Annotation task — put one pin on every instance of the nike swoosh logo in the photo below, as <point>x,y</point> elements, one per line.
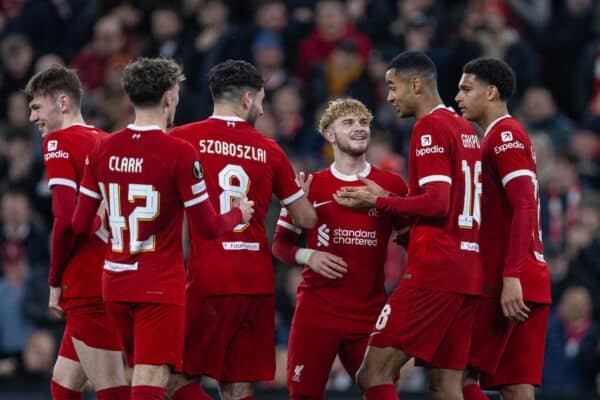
<point>315,204</point>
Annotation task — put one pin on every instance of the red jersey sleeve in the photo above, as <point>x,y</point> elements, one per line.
<point>285,239</point>
<point>59,163</point>
<point>192,190</point>
<point>89,198</point>
<point>432,153</point>
<point>513,159</point>
<point>285,186</point>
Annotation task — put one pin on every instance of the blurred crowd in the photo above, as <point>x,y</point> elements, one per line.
<point>311,51</point>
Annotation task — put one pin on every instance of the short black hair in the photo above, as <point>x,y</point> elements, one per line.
<point>494,72</point>
<point>414,62</point>
<point>146,80</point>
<point>227,80</point>
<point>53,80</point>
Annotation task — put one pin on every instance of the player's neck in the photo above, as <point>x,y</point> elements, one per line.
<point>429,102</point>
<point>72,119</point>
<point>350,165</point>
<point>150,116</point>
<point>493,112</point>
<point>226,110</point>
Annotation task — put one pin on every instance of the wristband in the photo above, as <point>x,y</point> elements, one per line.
<point>302,256</point>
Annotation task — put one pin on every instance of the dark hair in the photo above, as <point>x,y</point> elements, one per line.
<point>227,80</point>
<point>495,72</point>
<point>53,80</point>
<point>146,80</point>
<point>414,62</point>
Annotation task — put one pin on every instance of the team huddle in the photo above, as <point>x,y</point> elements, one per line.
<point>472,306</point>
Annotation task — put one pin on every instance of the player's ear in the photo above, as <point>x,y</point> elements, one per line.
<point>329,136</point>
<point>416,84</point>
<point>492,93</point>
<point>64,102</point>
<point>247,100</point>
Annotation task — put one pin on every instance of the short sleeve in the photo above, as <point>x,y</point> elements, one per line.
<point>59,162</point>
<point>89,183</point>
<point>189,176</point>
<point>285,186</point>
<point>512,154</point>
<point>432,152</point>
<point>285,222</point>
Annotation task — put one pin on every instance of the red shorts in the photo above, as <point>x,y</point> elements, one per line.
<point>432,326</point>
<point>151,333</point>
<point>88,322</point>
<point>312,350</point>
<point>231,338</point>
<point>508,352</point>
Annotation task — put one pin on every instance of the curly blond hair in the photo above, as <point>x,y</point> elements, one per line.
<point>341,107</point>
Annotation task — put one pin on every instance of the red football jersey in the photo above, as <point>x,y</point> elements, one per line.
<point>443,253</point>
<point>145,177</point>
<point>238,161</point>
<point>64,153</point>
<point>508,154</point>
<point>359,236</point>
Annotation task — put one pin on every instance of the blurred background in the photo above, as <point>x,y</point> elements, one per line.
<point>311,51</point>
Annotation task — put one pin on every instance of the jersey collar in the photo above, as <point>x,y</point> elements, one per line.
<point>441,107</point>
<point>350,178</point>
<point>230,118</point>
<point>494,122</point>
<point>144,128</point>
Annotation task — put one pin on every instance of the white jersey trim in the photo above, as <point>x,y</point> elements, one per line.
<point>350,178</point>
<point>435,178</point>
<point>251,246</point>
<point>494,122</point>
<point>90,193</point>
<point>62,182</point>
<point>515,174</point>
<point>143,128</point>
<point>292,198</point>
<point>196,200</point>
<point>229,118</point>
<point>539,256</point>
<point>289,226</point>
<point>120,267</point>
<point>441,106</point>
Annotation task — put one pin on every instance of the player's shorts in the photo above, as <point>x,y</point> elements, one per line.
<point>231,338</point>
<point>88,322</point>
<point>151,333</point>
<point>432,326</point>
<point>312,349</point>
<point>508,352</point>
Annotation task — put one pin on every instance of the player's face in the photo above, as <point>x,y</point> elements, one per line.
<point>172,105</point>
<point>471,97</point>
<point>45,112</point>
<point>399,94</point>
<point>351,134</point>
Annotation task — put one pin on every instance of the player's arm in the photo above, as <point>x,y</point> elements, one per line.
<point>286,249</point>
<point>64,199</point>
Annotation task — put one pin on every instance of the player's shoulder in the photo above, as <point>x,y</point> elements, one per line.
<point>390,180</point>
<point>508,130</point>
<point>190,129</point>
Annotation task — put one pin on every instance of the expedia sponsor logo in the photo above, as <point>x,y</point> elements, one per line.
<point>56,154</point>
<point>430,150</point>
<point>506,136</point>
<point>508,146</point>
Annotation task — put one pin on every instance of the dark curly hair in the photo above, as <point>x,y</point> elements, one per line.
<point>146,80</point>
<point>53,80</point>
<point>228,80</point>
<point>494,72</point>
<point>414,63</point>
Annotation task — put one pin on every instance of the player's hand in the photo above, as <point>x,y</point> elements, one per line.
<point>328,265</point>
<point>54,299</point>
<point>373,187</point>
<point>304,181</point>
<point>355,197</point>
<point>511,300</point>
<point>247,208</point>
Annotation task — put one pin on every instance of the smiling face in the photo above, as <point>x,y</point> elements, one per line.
<point>400,95</point>
<point>45,112</point>
<point>472,97</point>
<point>351,133</point>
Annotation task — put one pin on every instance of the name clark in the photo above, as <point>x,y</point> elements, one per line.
<point>130,165</point>
<point>246,152</point>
